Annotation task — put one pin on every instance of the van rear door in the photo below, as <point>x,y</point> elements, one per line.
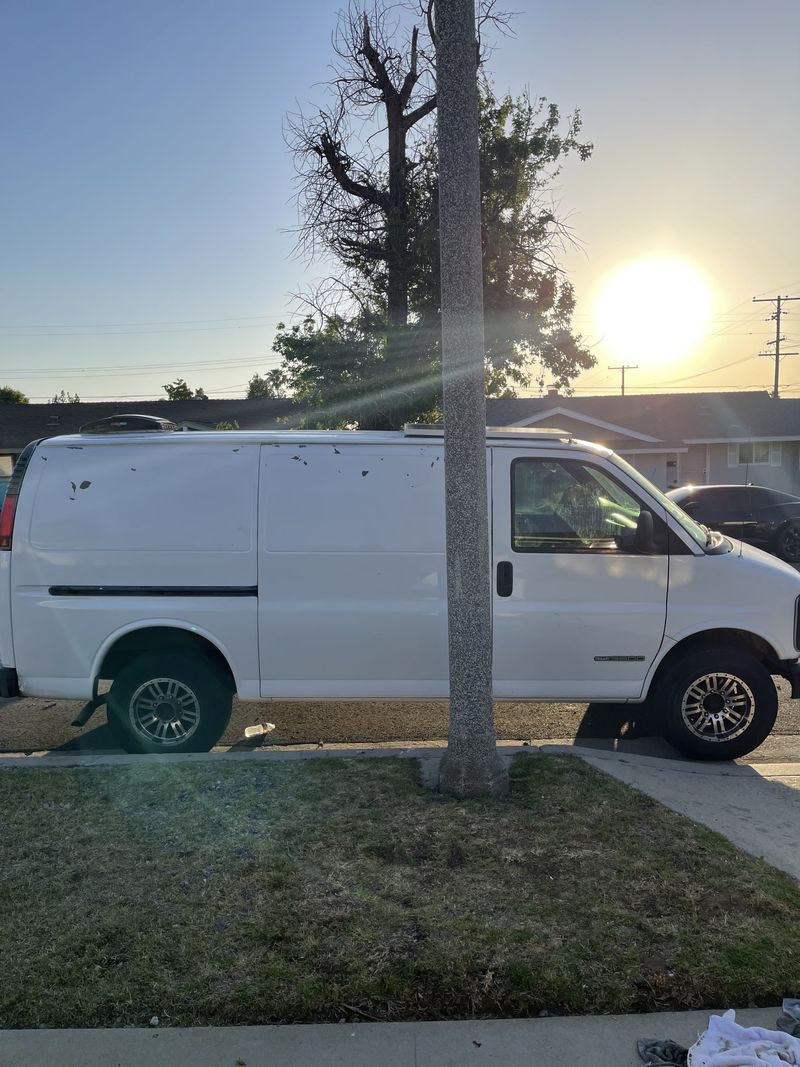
<point>7,522</point>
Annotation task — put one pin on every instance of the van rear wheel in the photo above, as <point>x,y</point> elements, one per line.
<point>169,702</point>
<point>718,704</point>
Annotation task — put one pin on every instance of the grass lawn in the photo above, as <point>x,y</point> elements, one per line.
<point>326,890</point>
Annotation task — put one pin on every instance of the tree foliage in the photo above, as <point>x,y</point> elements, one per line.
<point>368,200</point>
<point>181,390</point>
<point>270,386</point>
<point>9,395</point>
<point>345,374</point>
<point>65,397</point>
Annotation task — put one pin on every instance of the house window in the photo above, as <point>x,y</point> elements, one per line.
<point>755,453</point>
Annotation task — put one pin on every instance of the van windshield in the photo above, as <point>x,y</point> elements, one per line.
<point>694,529</point>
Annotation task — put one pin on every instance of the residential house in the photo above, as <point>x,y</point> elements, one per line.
<point>677,439</point>
<point>673,439</point>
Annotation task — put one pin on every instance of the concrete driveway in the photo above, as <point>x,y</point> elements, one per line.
<point>43,725</point>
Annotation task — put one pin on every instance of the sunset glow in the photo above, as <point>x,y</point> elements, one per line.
<point>653,312</point>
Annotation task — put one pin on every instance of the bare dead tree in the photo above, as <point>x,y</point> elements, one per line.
<point>354,157</point>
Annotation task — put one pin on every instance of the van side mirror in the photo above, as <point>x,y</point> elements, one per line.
<point>644,540</point>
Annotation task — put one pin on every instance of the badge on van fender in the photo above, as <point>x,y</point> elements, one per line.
<point>618,659</point>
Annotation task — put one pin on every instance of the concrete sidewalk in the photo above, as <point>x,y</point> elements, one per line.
<point>756,806</point>
<point>599,1041</point>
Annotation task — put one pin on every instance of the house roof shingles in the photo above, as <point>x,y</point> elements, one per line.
<point>21,423</point>
<point>671,418</point>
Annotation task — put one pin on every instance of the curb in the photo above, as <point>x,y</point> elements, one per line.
<point>604,1041</point>
<point>425,753</point>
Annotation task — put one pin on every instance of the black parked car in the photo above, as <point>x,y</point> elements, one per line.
<point>762,517</point>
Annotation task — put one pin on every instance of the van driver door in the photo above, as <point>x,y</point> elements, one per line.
<point>579,598</point>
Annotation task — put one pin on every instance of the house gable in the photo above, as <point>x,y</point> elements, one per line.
<point>565,418</point>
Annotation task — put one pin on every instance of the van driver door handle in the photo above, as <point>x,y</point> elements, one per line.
<point>505,578</point>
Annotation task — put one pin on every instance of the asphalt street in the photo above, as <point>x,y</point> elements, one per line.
<point>36,725</point>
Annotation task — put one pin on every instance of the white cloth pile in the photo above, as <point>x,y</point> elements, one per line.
<point>726,1044</point>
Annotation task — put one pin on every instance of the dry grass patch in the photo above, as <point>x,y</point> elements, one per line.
<point>322,890</point>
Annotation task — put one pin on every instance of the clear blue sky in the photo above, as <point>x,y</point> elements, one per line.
<point>146,185</point>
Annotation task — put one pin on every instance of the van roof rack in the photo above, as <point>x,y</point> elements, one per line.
<point>527,433</point>
<point>129,424</point>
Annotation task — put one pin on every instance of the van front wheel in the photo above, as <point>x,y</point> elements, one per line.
<point>169,703</point>
<point>718,704</point>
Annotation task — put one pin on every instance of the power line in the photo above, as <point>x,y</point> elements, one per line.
<point>139,333</point>
<point>114,325</point>
<point>126,369</point>
<point>702,373</point>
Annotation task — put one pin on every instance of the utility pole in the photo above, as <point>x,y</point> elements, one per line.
<point>776,355</point>
<point>471,766</point>
<point>623,368</point>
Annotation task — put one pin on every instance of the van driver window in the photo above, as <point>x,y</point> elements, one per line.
<point>569,506</point>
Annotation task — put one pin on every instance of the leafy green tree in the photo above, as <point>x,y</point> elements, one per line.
<point>9,395</point>
<point>346,374</point>
<point>65,397</point>
<point>227,424</point>
<point>528,303</point>
<point>181,390</point>
<point>270,386</point>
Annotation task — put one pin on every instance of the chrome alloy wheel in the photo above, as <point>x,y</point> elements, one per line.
<point>164,711</point>
<point>718,707</point>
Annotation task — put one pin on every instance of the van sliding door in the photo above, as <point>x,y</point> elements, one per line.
<point>352,577</point>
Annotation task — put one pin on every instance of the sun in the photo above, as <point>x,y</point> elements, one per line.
<point>653,312</point>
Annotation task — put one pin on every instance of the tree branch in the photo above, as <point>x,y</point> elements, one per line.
<point>338,165</point>
<point>420,112</point>
<point>410,79</point>
<point>370,53</point>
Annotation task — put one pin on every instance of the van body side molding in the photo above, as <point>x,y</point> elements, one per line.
<point>153,590</point>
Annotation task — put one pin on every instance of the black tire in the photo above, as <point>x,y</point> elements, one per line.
<point>193,712</point>
<point>726,684</point>
<point>787,543</point>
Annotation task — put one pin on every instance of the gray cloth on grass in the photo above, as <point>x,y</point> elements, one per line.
<point>789,1018</point>
<point>654,1053</point>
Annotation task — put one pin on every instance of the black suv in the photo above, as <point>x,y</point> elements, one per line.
<point>762,517</point>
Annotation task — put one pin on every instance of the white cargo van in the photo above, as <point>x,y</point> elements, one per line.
<point>186,567</point>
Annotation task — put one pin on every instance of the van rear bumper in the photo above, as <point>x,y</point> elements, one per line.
<point>9,685</point>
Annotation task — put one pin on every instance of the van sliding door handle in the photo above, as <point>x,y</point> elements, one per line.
<point>505,578</point>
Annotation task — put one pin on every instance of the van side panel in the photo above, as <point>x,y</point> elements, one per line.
<point>131,532</point>
<point>352,572</point>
